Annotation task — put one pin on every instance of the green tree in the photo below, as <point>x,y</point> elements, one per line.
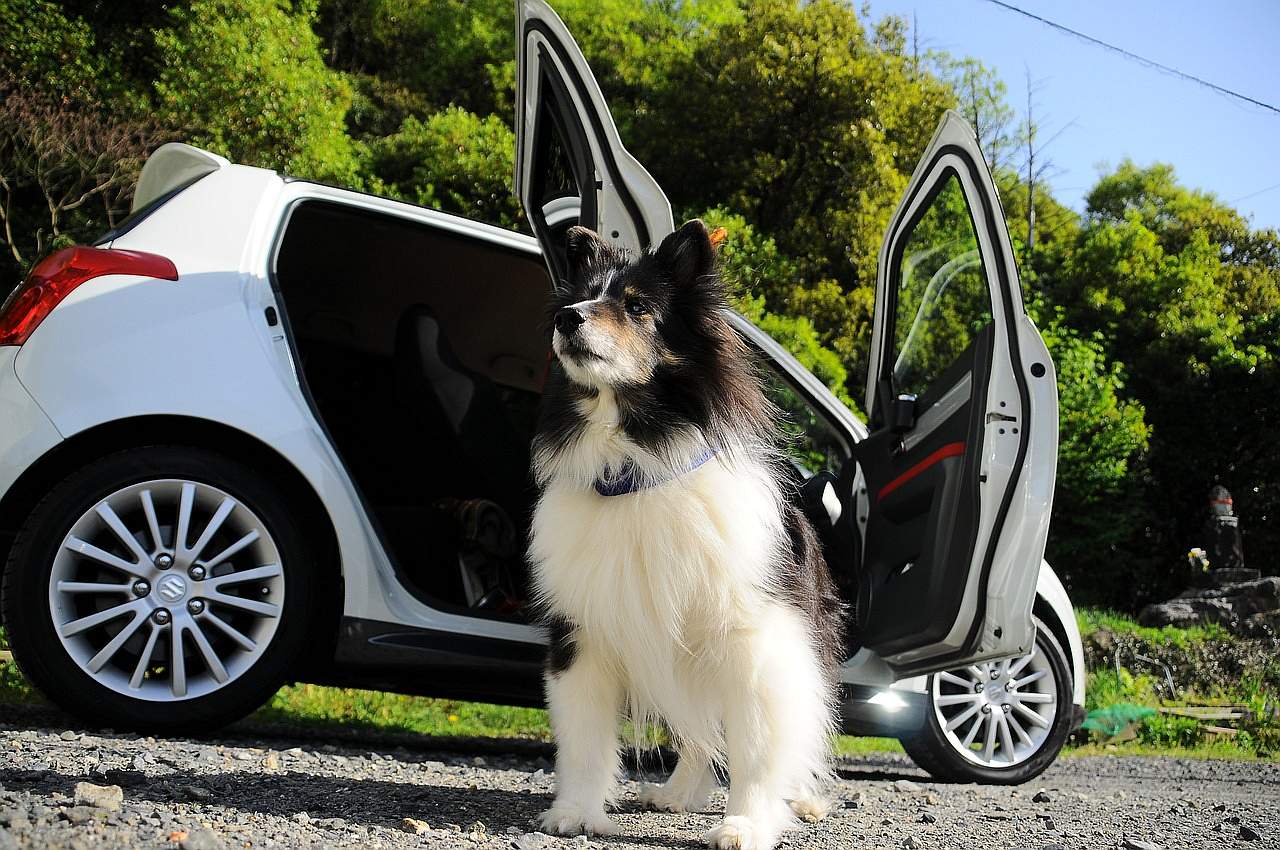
<point>1100,516</point>
<point>1185,294</point>
<point>454,160</point>
<point>248,78</point>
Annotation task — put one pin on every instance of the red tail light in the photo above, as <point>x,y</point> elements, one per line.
<point>58,274</point>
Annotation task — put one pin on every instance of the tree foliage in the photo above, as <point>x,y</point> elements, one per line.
<point>795,125</point>
<point>247,77</point>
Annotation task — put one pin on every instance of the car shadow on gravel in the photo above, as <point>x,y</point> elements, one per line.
<point>363,801</point>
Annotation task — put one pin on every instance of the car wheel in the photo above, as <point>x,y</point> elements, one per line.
<point>998,722</point>
<point>161,588</point>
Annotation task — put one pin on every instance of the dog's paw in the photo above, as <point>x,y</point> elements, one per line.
<point>568,819</point>
<point>737,833</point>
<point>664,799</point>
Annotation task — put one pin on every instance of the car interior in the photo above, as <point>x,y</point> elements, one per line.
<point>423,354</point>
<point>422,362</point>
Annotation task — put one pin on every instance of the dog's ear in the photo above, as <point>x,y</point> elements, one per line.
<point>688,253</point>
<point>582,246</point>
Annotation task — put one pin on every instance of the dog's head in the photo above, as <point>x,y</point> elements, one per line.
<point>619,321</point>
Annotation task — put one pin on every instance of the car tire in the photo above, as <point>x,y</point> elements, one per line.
<point>942,752</point>
<point>240,597</point>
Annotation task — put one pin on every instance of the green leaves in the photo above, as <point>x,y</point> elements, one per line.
<point>455,161</point>
<point>246,77</point>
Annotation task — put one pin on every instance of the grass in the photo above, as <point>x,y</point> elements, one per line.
<point>347,708</point>
<point>1108,686</point>
<point>1094,619</point>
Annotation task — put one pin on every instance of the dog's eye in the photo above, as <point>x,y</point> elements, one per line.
<point>636,308</point>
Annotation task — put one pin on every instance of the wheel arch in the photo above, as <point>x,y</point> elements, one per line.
<point>137,432</point>
<point>1053,608</point>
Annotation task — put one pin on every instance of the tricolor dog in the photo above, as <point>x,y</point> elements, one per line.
<point>679,583</point>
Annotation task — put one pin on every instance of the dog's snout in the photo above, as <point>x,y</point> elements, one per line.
<point>568,320</point>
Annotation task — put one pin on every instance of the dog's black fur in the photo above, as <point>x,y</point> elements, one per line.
<point>708,380</point>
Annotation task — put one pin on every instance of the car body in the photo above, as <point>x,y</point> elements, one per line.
<point>297,338</point>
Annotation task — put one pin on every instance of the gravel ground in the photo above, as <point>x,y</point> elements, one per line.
<point>257,786</point>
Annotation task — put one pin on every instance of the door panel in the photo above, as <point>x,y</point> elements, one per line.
<point>568,149</point>
<point>960,392</point>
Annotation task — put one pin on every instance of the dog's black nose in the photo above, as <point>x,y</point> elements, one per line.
<point>568,320</point>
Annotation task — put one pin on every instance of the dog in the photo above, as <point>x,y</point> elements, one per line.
<point>678,583</point>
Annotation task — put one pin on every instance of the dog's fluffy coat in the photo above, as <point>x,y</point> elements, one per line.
<point>701,599</point>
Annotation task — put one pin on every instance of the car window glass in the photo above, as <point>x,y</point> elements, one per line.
<point>942,298</point>
<point>809,440</point>
<point>554,170</point>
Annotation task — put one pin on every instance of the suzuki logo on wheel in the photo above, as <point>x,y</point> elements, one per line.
<point>172,588</point>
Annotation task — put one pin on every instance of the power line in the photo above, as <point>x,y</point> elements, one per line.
<point>1135,57</point>
<point>1256,194</point>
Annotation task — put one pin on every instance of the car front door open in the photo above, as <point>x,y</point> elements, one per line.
<point>959,466</point>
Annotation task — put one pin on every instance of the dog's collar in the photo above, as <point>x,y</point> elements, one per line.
<point>629,481</point>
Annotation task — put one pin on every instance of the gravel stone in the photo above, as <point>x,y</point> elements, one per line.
<point>202,839</point>
<point>1042,796</point>
<point>109,797</point>
<point>415,826</point>
<point>353,789</point>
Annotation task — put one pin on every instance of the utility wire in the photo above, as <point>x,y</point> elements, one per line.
<point>1256,194</point>
<point>1135,57</point>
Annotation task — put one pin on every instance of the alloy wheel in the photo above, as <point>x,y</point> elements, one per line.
<point>997,714</point>
<point>151,613</point>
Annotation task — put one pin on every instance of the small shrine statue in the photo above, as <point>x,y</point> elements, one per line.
<point>1222,532</point>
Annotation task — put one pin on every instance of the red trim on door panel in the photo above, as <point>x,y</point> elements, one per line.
<point>949,450</point>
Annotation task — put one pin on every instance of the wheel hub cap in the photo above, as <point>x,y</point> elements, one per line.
<point>171,589</point>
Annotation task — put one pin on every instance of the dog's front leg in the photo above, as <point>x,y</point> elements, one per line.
<point>585,701</point>
<point>755,814</point>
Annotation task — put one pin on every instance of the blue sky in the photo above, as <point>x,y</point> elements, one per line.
<point>1117,108</point>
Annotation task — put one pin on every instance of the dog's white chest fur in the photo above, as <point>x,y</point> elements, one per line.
<point>669,586</point>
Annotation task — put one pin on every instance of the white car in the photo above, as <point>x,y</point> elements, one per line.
<point>272,430</point>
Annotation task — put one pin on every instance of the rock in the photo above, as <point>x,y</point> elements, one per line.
<point>910,843</point>
<point>198,793</point>
<point>68,736</point>
<point>1230,605</point>
<point>1042,796</point>
<point>1227,575</point>
<point>202,839</point>
<point>532,841</point>
<point>478,761</point>
<point>906,786</point>
<point>7,841</point>
<point>79,814</point>
<point>271,762</point>
<point>928,817</point>
<point>1139,844</point>
<point>580,841</point>
<point>109,797</point>
<point>1049,824</point>
<point>1247,834</point>
<point>415,826</point>
<point>1262,625</point>
<point>997,815</point>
